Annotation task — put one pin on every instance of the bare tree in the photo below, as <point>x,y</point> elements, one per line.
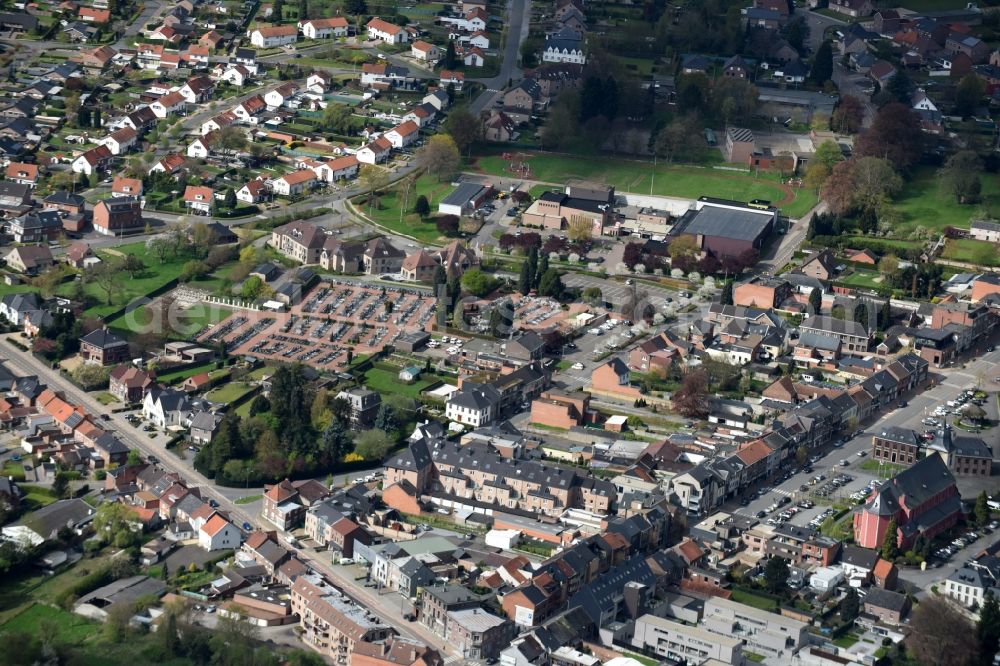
<point>941,635</point>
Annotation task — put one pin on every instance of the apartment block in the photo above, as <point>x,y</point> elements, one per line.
<point>684,643</point>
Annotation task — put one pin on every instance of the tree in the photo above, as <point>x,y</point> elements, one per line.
<point>888,264</point>
<point>861,313</point>
<point>373,179</point>
<point>776,574</point>
<point>895,136</point>
<point>941,635</point>
<point>815,301</point>
<point>683,248</point>
<point>726,297</point>
<point>356,7</point>
<point>863,184</point>
<point>252,288</point>
<point>848,116</point>
<point>160,246</point>
<point>372,444</point>
<point>524,279</point>
<point>801,454</point>
<point>60,485</point>
<point>440,156</point>
<point>885,315</point>
<point>193,270</point>
<point>422,207</point>
<point>982,511</point>
<point>231,139</point>
<point>385,419</point>
<point>890,547</point>
<point>464,127</point>
<point>551,284</point>
<point>336,443</point>
<point>822,65</point>
<point>691,399</point>
<point>276,10</point>
<point>478,283</point>
<point>303,12</point>
<point>107,277</point>
<point>960,176</point>
<point>450,59</point>
<point>230,199</point>
<point>850,606</point>
<point>447,224</point>
<point>681,139</point>
<point>115,523</point>
<point>828,155</point>
<point>989,625</point>
<point>580,228</point>
<point>132,265</point>
<point>969,94</point>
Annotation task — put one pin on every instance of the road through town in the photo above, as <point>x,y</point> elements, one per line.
<point>25,364</point>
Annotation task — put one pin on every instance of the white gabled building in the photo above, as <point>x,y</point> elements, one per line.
<point>248,110</point>
<point>403,135</point>
<point>274,35</point>
<point>236,75</point>
<point>169,104</point>
<point>375,151</point>
<point>324,28</point>
<point>297,182</point>
<point>281,95</point>
<point>219,534</point>
<point>386,32</point>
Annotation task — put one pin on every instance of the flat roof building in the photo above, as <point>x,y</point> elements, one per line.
<point>683,643</point>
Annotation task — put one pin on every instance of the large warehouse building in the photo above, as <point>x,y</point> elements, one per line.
<point>727,228</point>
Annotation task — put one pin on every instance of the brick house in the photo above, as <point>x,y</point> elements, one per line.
<point>103,347</point>
<point>128,383</point>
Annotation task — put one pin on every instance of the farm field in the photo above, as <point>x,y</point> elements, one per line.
<point>922,203</point>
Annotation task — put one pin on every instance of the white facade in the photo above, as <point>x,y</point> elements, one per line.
<point>321,29</point>
<point>680,642</point>
<point>198,148</point>
<point>266,40</point>
<point>227,537</point>
<point>575,55</point>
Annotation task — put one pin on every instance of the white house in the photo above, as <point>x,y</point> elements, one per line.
<point>92,160</point>
<point>280,95</point>
<point>294,183</point>
<point>120,141</point>
<point>438,99</point>
<point>474,405</point>
<point>473,57</point>
<point>564,50</point>
<point>374,151</point>
<point>197,89</point>
<point>165,407</point>
<point>425,51</point>
<point>324,28</point>
<point>219,534</point>
<point>248,110</point>
<point>236,75</point>
<point>224,119</point>
<point>252,192</point>
<point>449,77</point>
<point>169,104</point>
<point>387,32</point>
<point>421,114</point>
<point>479,39</point>
<point>382,74</point>
<point>275,35</point>
<point>403,135</point>
<point>201,147</point>
<point>199,199</point>
<point>318,82</point>
<point>342,168</point>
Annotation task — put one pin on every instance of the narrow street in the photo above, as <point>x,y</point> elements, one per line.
<point>25,364</point>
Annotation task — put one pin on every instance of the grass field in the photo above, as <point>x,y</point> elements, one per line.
<point>384,379</point>
<point>229,392</point>
<point>969,250</point>
<point>888,469</point>
<point>922,203</point>
<point>73,628</point>
<point>35,497</point>
<point>687,182</point>
<point>410,224</point>
<point>181,375</point>
<point>862,278</point>
<point>249,499</point>
<point>751,599</point>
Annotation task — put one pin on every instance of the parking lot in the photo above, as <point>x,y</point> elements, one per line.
<point>333,317</point>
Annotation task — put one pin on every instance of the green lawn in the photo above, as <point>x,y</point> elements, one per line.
<point>105,398</point>
<point>888,243</point>
<point>972,251</point>
<point>846,641</point>
<point>922,203</point>
<point>862,278</point>
<point>14,469</point>
<point>688,182</point>
<point>388,213</point>
<point>181,324</point>
<point>385,379</point>
<point>249,499</point>
<point>181,375</point>
<point>72,628</point>
<point>156,275</point>
<point>35,497</point>
<point>229,392</point>
<point>751,599</point>
<point>888,469</point>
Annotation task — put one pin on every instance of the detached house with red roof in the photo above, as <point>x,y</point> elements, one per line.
<point>92,160</point>
<point>199,199</point>
<point>449,77</point>
<point>121,141</point>
<point>170,104</point>
<point>276,35</point>
<point>91,15</point>
<point>218,534</point>
<point>375,151</point>
<point>128,383</point>
<point>126,187</point>
<point>403,135</point>
<point>284,504</point>
<point>295,183</point>
<point>421,50</point>
<point>379,30</point>
<point>21,173</point>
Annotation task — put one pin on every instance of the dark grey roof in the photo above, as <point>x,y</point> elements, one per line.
<point>66,198</point>
<point>48,520</point>
<point>463,194</point>
<point>897,434</point>
<point>826,324</point>
<point>20,303</point>
<point>103,338</point>
<point>475,396</point>
<point>819,341</point>
<point>866,558</point>
<point>719,222</point>
<point>887,599</point>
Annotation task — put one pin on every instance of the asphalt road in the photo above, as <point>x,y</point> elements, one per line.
<point>25,364</point>
<point>518,12</point>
